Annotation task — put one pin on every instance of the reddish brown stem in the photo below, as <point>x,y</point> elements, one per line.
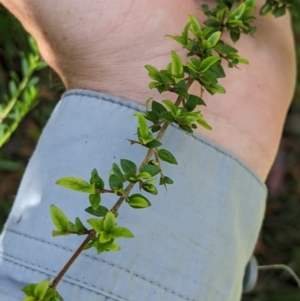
<point>71,260</point>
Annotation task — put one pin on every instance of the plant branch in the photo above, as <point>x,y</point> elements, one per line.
<point>71,260</point>
<point>151,151</point>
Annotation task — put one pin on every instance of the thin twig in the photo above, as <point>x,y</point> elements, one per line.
<point>71,260</point>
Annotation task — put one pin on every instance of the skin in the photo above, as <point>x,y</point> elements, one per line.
<point>103,46</point>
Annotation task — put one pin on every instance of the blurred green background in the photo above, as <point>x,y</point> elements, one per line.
<point>279,240</point>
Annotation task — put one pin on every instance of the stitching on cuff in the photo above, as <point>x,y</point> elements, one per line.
<point>103,261</point>
<point>140,108</point>
<point>11,260</point>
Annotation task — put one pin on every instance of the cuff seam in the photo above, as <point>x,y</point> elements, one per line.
<point>11,259</point>
<point>100,260</point>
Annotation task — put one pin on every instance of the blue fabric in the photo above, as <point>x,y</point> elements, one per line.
<point>192,244</point>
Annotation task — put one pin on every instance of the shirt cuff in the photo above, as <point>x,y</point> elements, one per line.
<point>192,244</point>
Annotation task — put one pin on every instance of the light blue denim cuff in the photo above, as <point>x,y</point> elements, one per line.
<point>192,244</point>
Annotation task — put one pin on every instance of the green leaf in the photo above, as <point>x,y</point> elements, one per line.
<point>81,229</point>
<point>104,237</point>
<point>168,116</point>
<point>95,200</point>
<point>166,156</point>
<point>191,103</point>
<point>114,247</point>
<point>280,11</point>
<point>177,67</point>
<point>149,188</point>
<point>204,124</point>
<point>208,62</point>
<point>178,39</point>
<point>185,33</point>
<point>183,93</point>
<point>242,60</point>
<point>138,201</point>
<point>117,171</point>
<point>143,127</point>
<point>154,129</point>
<point>95,179</point>
<point>151,69</point>
<point>189,117</point>
<point>153,85</point>
<point>219,89</point>
<point>25,66</point>
<point>144,175</point>
<point>76,184</point>
<point>144,139</point>
<point>41,289</point>
<point>100,211</point>
<point>151,169</point>
<point>158,107</point>
<point>225,48</point>
<point>187,128</point>
<point>115,182</point>
<point>59,219</point>
<point>195,26</point>
<point>237,23</point>
<point>97,224</point>
<point>29,299</point>
<point>28,290</point>
<point>238,12</point>
<point>128,166</point>
<point>109,222</point>
<point>152,116</point>
<point>235,35</point>
<point>212,23</point>
<point>12,88</point>
<point>103,247</point>
<point>14,75</point>
<point>216,70</point>
<point>266,9</point>
<point>131,177</point>
<point>59,233</point>
<point>214,38</point>
<point>153,144</point>
<point>71,227</point>
<point>171,106</point>
<point>52,295</point>
<point>89,245</point>
<point>33,81</point>
<point>119,232</point>
<point>250,3</point>
<point>165,180</point>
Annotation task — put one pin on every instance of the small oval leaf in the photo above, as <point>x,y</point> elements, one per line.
<point>208,62</point>
<point>128,166</point>
<point>41,289</point>
<point>97,224</point>
<point>76,184</point>
<point>138,201</point>
<point>100,211</point>
<point>177,67</point>
<point>166,156</point>
<point>109,222</point>
<point>95,200</point>
<point>119,232</point>
<point>59,219</point>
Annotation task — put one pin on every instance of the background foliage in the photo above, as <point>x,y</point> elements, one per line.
<point>280,237</point>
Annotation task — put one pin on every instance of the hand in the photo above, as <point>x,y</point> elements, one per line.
<point>103,46</point>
